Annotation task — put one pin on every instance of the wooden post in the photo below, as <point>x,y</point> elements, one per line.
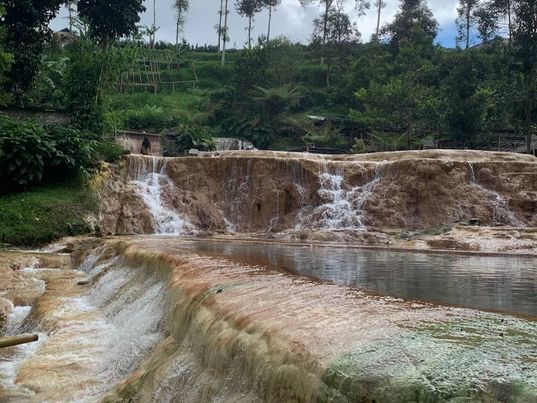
<point>17,340</point>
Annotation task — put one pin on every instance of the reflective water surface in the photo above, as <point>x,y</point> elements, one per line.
<point>504,283</point>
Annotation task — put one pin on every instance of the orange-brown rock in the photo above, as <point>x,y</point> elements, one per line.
<point>261,192</point>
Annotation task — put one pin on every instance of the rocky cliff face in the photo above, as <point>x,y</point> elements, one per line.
<point>257,192</point>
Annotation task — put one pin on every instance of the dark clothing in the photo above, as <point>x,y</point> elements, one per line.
<point>146,146</point>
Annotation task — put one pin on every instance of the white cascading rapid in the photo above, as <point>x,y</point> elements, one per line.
<point>151,181</point>
<point>342,208</point>
<point>501,213</point>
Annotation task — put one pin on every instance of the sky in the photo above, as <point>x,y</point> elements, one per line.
<point>290,20</point>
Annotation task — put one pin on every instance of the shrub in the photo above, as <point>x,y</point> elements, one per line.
<point>24,151</point>
<point>29,151</point>
<point>358,147</point>
<point>326,136</point>
<point>108,150</point>
<point>187,137</point>
<point>150,117</point>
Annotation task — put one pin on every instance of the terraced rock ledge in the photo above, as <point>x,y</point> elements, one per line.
<point>158,322</point>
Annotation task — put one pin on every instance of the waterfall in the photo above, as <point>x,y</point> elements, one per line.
<point>501,213</point>
<point>342,208</point>
<point>151,181</point>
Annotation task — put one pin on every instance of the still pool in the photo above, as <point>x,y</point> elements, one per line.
<point>497,283</point>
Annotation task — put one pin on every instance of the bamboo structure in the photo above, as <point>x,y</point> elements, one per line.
<point>147,73</point>
<point>18,340</point>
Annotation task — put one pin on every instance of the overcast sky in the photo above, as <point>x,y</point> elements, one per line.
<point>291,20</point>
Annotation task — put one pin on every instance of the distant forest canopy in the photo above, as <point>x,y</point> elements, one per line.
<point>400,90</point>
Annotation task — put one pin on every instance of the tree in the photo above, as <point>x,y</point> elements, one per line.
<point>503,9</point>
<point>248,9</point>
<point>465,20</point>
<point>271,5</point>
<point>71,10</point>
<point>219,26</point>
<point>327,4</point>
<point>379,5</point>
<point>401,105</point>
<point>26,27</point>
<point>334,41</point>
<point>110,20</point>
<point>525,52</point>
<point>181,7</point>
<point>224,32</point>
<point>154,28</point>
<point>487,22</point>
<point>339,29</point>
<point>413,24</point>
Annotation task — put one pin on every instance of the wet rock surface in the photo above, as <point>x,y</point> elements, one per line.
<point>157,322</point>
<point>269,192</point>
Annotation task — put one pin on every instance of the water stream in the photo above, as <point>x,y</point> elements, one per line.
<point>152,183</point>
<point>89,341</point>
<point>501,213</point>
<point>342,207</point>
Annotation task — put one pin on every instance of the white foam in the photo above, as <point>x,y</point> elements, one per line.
<point>151,182</point>
<point>501,213</point>
<point>342,208</point>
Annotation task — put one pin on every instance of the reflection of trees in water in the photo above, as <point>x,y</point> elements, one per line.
<point>486,282</point>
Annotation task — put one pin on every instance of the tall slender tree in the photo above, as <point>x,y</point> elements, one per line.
<point>486,20</point>
<point>154,29</point>
<point>181,7</point>
<point>379,5</point>
<point>466,20</point>
<point>504,11</point>
<point>225,37</point>
<point>327,4</point>
<point>71,13</point>
<point>219,26</point>
<point>248,9</point>
<point>271,6</point>
<point>525,52</point>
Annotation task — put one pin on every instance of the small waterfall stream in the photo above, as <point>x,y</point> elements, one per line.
<point>342,208</point>
<point>151,181</point>
<point>501,213</point>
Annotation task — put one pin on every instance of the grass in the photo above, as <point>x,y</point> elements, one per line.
<point>45,214</point>
<point>189,101</point>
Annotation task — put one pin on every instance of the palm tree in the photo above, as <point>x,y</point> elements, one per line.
<point>181,6</point>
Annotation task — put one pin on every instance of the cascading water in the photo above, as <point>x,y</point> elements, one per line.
<point>151,181</point>
<point>88,341</point>
<point>342,208</point>
<point>501,213</point>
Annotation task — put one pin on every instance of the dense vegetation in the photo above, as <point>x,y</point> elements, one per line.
<point>400,90</point>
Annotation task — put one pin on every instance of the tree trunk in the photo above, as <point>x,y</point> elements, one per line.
<point>269,21</point>
<point>250,32</point>
<point>409,136</point>
<point>379,11</point>
<point>220,26</point>
<point>325,21</point>
<point>224,34</point>
<point>177,29</point>
<point>509,22</point>
<point>154,34</point>
<point>468,11</point>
